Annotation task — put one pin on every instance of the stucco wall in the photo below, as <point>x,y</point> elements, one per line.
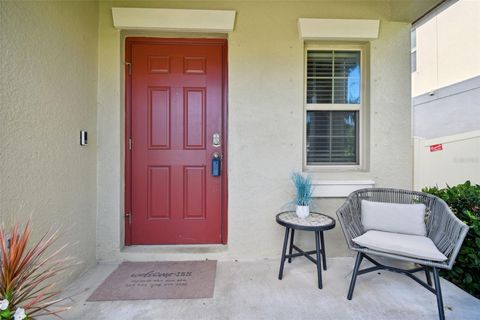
<point>265,121</point>
<point>48,94</point>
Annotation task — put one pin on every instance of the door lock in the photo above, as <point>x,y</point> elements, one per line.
<point>216,164</point>
<point>216,140</point>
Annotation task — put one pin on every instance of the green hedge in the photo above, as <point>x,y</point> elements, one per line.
<point>464,200</point>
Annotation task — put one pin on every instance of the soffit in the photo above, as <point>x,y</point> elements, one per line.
<point>410,10</point>
<point>400,10</point>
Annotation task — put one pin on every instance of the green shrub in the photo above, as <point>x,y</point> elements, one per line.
<point>464,200</point>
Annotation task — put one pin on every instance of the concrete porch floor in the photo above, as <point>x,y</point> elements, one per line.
<point>251,290</point>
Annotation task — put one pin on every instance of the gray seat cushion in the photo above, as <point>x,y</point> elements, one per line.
<point>408,245</point>
<point>394,217</point>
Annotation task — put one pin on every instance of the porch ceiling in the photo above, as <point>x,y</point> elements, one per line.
<point>410,10</point>
<point>400,10</point>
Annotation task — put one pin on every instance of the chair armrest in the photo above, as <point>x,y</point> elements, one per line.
<point>446,230</point>
<point>350,219</point>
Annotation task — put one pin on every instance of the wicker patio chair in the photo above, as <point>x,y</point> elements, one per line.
<point>445,230</point>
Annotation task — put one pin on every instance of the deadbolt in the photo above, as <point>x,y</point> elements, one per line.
<point>216,140</point>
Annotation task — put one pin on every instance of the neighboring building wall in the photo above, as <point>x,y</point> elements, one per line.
<point>451,110</point>
<point>458,161</point>
<point>447,48</point>
<point>446,96</point>
<point>265,122</point>
<point>48,94</point>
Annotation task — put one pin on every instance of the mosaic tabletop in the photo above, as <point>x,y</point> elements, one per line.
<point>313,220</point>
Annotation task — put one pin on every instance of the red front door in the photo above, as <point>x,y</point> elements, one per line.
<point>175,118</point>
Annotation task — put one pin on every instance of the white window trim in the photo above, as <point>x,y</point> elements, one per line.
<point>339,188</point>
<point>362,108</point>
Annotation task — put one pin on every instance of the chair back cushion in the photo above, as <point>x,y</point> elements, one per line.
<point>394,217</point>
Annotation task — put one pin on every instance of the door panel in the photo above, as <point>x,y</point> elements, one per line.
<point>177,104</point>
<point>158,195</point>
<point>159,118</point>
<point>194,192</point>
<point>195,114</point>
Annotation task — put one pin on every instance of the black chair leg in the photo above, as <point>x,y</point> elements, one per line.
<point>427,275</point>
<point>292,235</point>
<point>438,289</point>
<point>358,261</point>
<point>282,262</point>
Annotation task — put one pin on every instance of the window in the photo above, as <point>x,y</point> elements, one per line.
<point>413,50</point>
<point>333,106</point>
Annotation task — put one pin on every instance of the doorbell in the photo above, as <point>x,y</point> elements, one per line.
<point>83,137</point>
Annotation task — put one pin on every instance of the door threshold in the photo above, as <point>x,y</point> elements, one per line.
<point>176,248</point>
<point>174,252</point>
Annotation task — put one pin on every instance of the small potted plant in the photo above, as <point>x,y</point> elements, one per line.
<point>303,194</point>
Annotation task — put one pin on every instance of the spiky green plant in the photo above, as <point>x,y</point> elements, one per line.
<point>28,272</point>
<point>303,189</point>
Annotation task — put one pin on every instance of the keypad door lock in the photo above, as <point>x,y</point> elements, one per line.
<point>216,164</point>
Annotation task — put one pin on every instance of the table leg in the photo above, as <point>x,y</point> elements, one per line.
<point>324,256</point>
<point>282,262</point>
<point>319,263</point>
<point>292,235</point>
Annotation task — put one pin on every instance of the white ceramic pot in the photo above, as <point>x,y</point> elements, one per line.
<point>303,211</point>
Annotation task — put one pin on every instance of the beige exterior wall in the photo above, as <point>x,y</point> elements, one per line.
<point>48,80</point>
<point>457,162</point>
<point>265,122</point>
<point>447,48</point>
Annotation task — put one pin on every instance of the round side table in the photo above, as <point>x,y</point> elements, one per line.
<point>316,222</point>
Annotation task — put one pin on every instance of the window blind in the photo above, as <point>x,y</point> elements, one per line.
<point>333,77</point>
<point>332,137</point>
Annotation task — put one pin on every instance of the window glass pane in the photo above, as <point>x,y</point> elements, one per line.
<point>332,137</point>
<point>413,58</point>
<point>319,91</point>
<point>319,76</point>
<point>413,40</point>
<point>333,77</point>
<point>319,64</point>
<point>345,62</point>
<point>347,77</point>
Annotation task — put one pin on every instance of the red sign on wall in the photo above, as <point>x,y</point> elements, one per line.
<point>436,147</point>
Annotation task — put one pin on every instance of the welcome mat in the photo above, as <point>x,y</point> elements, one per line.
<point>158,280</point>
